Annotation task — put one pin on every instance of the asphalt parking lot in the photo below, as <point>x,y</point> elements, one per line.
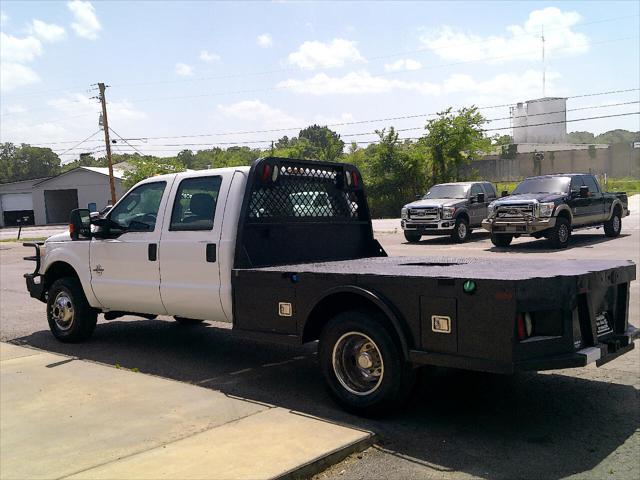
<point>582,423</point>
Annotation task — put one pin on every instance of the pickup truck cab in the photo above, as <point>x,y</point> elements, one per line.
<point>552,206</point>
<point>448,209</point>
<point>254,247</point>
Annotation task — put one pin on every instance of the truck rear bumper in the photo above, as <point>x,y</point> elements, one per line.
<point>603,353</point>
<point>522,227</point>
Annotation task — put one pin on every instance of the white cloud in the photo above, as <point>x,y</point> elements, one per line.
<point>79,104</point>
<point>403,64</point>
<point>13,109</point>
<point>13,75</point>
<point>4,18</point>
<point>342,118</point>
<point>206,56</point>
<point>259,112</point>
<point>14,49</point>
<point>86,24</point>
<point>49,32</point>
<point>521,41</point>
<point>265,40</point>
<point>338,52</point>
<point>42,132</point>
<point>184,70</point>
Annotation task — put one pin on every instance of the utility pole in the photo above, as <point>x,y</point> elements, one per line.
<point>544,68</point>
<point>105,127</point>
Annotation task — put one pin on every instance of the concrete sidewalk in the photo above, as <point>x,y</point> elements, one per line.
<point>61,417</point>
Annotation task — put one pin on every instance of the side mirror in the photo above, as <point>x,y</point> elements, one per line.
<point>418,197</point>
<point>80,223</point>
<point>504,193</point>
<point>480,197</point>
<point>584,191</point>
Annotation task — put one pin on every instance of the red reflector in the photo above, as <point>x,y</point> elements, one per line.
<point>266,172</point>
<point>354,179</point>
<point>522,329</point>
<point>71,228</point>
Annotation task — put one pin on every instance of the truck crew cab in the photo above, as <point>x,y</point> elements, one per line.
<point>255,247</point>
<point>448,209</point>
<point>552,206</point>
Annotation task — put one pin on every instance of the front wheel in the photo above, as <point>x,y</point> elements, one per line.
<point>362,365</point>
<point>613,226</point>
<point>71,318</point>
<point>501,239</point>
<point>412,237</point>
<point>560,234</point>
<point>461,231</point>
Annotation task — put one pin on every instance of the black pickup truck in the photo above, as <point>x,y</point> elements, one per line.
<point>256,248</point>
<point>552,206</point>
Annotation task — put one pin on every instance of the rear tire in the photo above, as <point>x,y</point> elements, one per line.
<point>71,318</point>
<point>560,234</point>
<point>501,239</point>
<point>461,231</point>
<point>362,365</point>
<point>412,237</point>
<point>188,321</point>
<point>613,226</point>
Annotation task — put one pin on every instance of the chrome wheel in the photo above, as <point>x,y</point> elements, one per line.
<point>462,230</point>
<point>357,363</point>
<point>62,311</point>
<point>616,223</point>
<point>563,233</point>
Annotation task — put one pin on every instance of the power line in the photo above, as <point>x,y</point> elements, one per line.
<point>121,138</point>
<point>81,142</point>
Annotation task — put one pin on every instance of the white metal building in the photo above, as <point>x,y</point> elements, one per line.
<point>50,200</point>
<point>540,121</point>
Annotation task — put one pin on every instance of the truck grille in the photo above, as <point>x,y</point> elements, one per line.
<point>521,210</point>
<point>427,213</point>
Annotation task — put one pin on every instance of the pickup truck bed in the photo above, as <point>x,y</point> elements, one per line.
<point>578,308</point>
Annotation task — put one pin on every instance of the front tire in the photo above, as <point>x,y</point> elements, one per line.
<point>362,365</point>
<point>561,233</point>
<point>461,231</point>
<point>501,239</point>
<point>71,318</point>
<point>613,226</point>
<point>412,237</point>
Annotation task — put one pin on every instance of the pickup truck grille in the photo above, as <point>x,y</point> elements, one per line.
<point>519,210</point>
<point>427,213</point>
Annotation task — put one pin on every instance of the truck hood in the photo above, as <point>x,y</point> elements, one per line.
<point>59,237</point>
<point>436,202</point>
<point>539,197</point>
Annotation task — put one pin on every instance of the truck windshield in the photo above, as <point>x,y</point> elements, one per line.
<point>543,185</point>
<point>447,191</point>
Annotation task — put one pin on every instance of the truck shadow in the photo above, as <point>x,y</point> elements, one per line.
<point>476,236</point>
<point>525,426</point>
<point>532,245</point>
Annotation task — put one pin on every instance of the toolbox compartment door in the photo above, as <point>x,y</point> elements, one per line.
<point>439,324</point>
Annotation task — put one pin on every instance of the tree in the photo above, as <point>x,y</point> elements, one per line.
<point>324,143</point>
<point>26,162</point>
<point>452,140</point>
<point>147,166</point>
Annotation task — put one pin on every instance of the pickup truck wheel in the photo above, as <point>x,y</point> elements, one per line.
<point>363,367</point>
<point>412,237</point>
<point>613,226</point>
<point>461,231</point>
<point>187,321</point>
<point>560,234</point>
<point>501,239</point>
<point>71,318</point>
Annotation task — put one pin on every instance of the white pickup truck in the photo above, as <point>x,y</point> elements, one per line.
<point>285,251</point>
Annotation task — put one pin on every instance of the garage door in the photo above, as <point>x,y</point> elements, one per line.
<point>17,201</point>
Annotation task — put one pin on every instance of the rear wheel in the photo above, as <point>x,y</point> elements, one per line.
<point>187,321</point>
<point>412,237</point>
<point>461,231</point>
<point>362,365</point>
<point>560,234</point>
<point>613,226</point>
<point>501,239</point>
<point>71,318</point>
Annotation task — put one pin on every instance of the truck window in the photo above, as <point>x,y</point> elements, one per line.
<point>194,206</point>
<point>138,210</point>
<point>475,190</point>
<point>590,182</point>
<point>490,190</point>
<point>576,183</point>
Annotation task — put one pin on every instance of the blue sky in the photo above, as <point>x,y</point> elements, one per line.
<point>188,68</point>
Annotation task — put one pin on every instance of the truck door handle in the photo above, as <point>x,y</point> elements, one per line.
<point>153,252</point>
<point>211,252</point>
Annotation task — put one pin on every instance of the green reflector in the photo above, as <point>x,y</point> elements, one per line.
<point>469,286</point>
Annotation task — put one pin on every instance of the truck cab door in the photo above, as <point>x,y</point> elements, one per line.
<point>595,209</point>
<point>190,246</point>
<point>125,273</point>
<point>579,206</point>
<point>477,209</point>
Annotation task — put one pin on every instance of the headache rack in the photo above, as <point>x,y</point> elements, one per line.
<point>298,211</point>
